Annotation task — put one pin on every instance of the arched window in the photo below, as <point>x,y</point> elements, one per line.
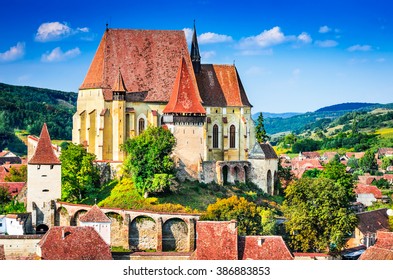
<point>232,138</point>
<point>141,125</point>
<point>215,136</point>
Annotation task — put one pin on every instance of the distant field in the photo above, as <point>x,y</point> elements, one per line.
<point>385,132</point>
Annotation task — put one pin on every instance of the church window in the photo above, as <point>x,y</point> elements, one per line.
<point>141,125</point>
<point>232,138</point>
<point>215,136</point>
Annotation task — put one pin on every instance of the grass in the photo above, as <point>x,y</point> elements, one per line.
<point>385,132</point>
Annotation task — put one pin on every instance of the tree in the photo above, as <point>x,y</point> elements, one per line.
<point>17,174</point>
<point>246,213</point>
<point>149,159</point>
<point>312,173</point>
<point>318,211</point>
<point>80,178</point>
<point>368,163</point>
<point>386,162</point>
<point>260,131</point>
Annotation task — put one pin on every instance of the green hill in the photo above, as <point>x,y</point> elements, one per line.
<point>27,108</point>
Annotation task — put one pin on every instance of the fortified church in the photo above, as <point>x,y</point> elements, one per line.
<point>141,78</point>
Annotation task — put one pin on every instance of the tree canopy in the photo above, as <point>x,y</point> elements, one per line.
<point>80,178</point>
<point>319,217</point>
<point>260,131</point>
<point>149,159</point>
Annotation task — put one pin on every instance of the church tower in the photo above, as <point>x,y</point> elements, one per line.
<point>195,56</point>
<point>119,109</point>
<point>43,183</point>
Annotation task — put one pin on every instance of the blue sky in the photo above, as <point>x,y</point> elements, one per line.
<point>292,56</point>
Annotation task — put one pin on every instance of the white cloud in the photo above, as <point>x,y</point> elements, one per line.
<point>210,37</point>
<point>207,55</point>
<point>326,43</point>
<point>304,37</point>
<point>13,53</point>
<point>58,55</point>
<point>207,38</point>
<point>265,39</point>
<point>324,29</point>
<point>363,48</point>
<point>53,31</point>
<point>380,60</point>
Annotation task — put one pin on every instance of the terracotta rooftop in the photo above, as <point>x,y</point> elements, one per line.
<point>382,249</point>
<point>263,248</point>
<point>73,243</point>
<point>148,60</point>
<point>311,155</point>
<point>95,215</point>
<point>14,188</point>
<point>372,221</point>
<point>364,189</point>
<point>44,153</point>
<point>220,86</point>
<point>185,96</point>
<point>268,151</point>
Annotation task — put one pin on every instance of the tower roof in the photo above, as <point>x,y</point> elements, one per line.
<point>119,85</point>
<point>220,86</point>
<point>148,59</point>
<point>95,215</point>
<point>44,153</point>
<point>185,95</point>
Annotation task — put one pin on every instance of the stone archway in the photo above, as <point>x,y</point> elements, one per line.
<point>236,172</point>
<point>75,220</point>
<point>175,235</point>
<point>41,229</point>
<point>142,234</point>
<point>246,175</point>
<point>225,172</point>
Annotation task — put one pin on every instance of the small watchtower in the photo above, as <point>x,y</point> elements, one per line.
<point>43,183</point>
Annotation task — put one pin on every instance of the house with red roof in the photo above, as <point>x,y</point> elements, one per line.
<point>99,221</point>
<point>220,241</point>
<point>367,194</point>
<point>141,78</point>
<point>382,249</point>
<point>73,243</point>
<point>8,157</point>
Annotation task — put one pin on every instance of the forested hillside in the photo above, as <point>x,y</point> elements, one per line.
<point>27,108</point>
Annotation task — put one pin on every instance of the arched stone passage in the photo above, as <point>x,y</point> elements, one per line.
<point>62,218</point>
<point>42,229</point>
<point>246,175</point>
<point>236,172</point>
<point>225,174</point>
<point>269,182</point>
<point>77,215</point>
<point>142,234</point>
<point>175,235</point>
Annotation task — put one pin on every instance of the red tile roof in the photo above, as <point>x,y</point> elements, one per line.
<point>373,221</point>
<point>220,86</point>
<point>73,243</point>
<point>95,215</point>
<point>384,240</point>
<point>185,96</point>
<point>216,240</point>
<point>311,155</point>
<point>364,189</point>
<point>44,153</point>
<point>382,249</point>
<point>14,188</point>
<point>148,60</point>
<point>263,248</point>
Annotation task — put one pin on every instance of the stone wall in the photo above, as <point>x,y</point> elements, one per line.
<point>20,246</point>
<point>259,173</point>
<point>119,230</point>
<point>175,235</point>
<point>143,234</point>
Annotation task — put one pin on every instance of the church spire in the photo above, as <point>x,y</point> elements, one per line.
<point>195,56</point>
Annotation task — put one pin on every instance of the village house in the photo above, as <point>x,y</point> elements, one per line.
<point>384,152</point>
<point>7,157</point>
<point>367,194</point>
<point>99,221</point>
<point>369,224</point>
<point>382,249</point>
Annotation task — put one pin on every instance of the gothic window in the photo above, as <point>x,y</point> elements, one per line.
<point>141,125</point>
<point>232,138</point>
<point>215,136</point>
